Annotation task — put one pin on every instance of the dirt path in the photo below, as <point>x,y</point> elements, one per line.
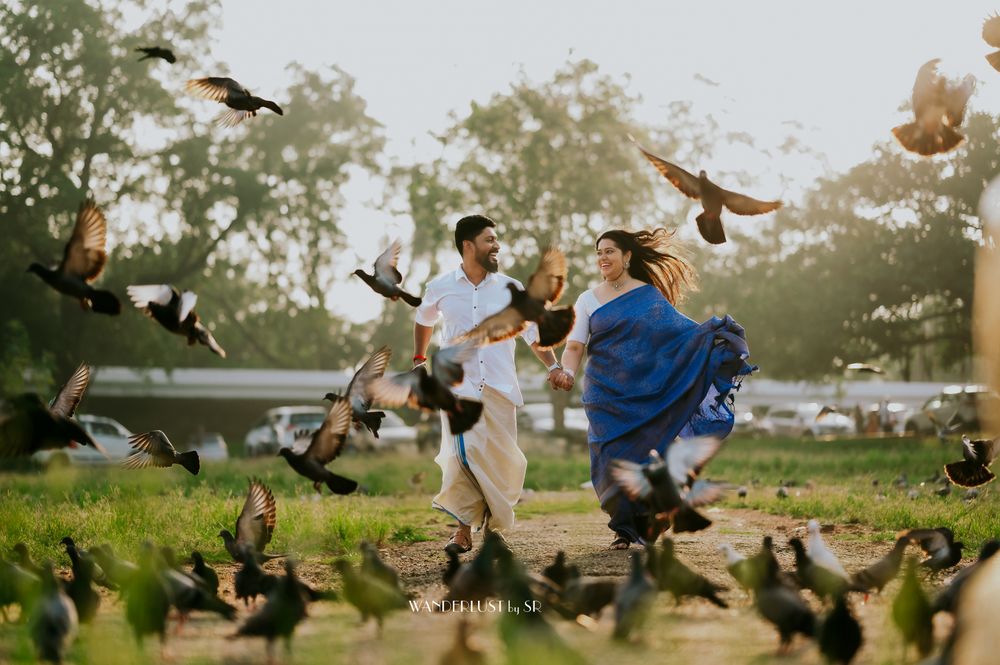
<point>694,630</point>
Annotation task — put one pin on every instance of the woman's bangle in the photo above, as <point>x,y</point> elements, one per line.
<point>419,358</point>
<point>572,373</point>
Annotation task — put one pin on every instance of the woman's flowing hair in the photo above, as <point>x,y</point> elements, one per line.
<point>657,259</point>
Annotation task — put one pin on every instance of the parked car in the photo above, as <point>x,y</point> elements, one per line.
<point>211,446</point>
<point>538,417</point>
<point>958,404</point>
<point>393,433</point>
<point>276,428</point>
<point>799,420</point>
<point>106,431</point>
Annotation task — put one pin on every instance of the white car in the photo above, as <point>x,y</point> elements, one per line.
<point>799,420</point>
<point>106,431</point>
<point>538,417</point>
<point>276,428</point>
<point>391,434</point>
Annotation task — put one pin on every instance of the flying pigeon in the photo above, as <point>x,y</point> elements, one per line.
<point>27,425</point>
<point>991,35</point>
<point>242,105</point>
<point>419,389</point>
<point>324,446</point>
<point>974,470</point>
<point>174,311</point>
<point>385,278</point>
<point>82,263</point>
<point>938,110</point>
<point>154,449</point>
<point>358,391</point>
<point>534,304</point>
<point>256,523</point>
<point>669,487</point>
<point>713,198</point>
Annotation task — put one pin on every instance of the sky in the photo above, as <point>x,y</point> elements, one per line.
<point>840,70</point>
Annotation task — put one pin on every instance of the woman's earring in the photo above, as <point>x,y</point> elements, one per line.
<point>626,265</point>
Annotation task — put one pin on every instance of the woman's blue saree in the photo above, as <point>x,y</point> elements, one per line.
<point>652,375</point>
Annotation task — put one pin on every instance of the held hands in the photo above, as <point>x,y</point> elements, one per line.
<point>560,380</point>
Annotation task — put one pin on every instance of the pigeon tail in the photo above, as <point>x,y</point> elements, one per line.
<point>688,519</point>
<point>411,300</point>
<point>968,474</point>
<point>554,326</point>
<point>190,461</point>
<point>994,60</point>
<point>711,228</point>
<point>467,415</point>
<point>912,137</point>
<point>104,302</point>
<point>372,420</point>
<point>339,484</point>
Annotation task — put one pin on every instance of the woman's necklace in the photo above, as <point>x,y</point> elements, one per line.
<point>618,283</point>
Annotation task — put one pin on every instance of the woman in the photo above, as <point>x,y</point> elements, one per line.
<point>652,373</point>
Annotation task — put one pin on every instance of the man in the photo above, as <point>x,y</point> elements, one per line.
<point>482,469</point>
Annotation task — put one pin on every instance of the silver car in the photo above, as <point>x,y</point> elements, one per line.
<point>106,431</point>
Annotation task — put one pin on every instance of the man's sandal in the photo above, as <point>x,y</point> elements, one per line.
<point>620,543</point>
<point>457,547</point>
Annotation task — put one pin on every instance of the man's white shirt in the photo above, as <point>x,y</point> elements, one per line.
<point>463,306</point>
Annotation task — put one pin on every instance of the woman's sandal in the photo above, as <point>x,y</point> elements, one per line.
<point>620,543</point>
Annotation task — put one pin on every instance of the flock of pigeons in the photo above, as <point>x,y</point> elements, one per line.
<point>156,584</point>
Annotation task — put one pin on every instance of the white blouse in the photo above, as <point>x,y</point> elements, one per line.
<point>585,306</point>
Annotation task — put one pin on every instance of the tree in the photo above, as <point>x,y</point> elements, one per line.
<point>248,218</point>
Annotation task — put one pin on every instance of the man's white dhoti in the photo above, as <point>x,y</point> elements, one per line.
<point>482,469</point>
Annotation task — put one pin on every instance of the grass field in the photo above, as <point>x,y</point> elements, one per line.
<point>125,508</point>
<point>832,481</point>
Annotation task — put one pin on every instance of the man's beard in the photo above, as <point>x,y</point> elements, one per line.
<point>489,266</point>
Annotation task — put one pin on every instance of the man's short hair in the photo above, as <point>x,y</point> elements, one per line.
<point>470,227</point>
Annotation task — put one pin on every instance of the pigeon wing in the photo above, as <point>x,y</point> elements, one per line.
<point>631,479</point>
<point>742,204</point>
<point>258,517</point>
<point>703,493</point>
<point>446,364</point>
<point>957,99</point>
<point>150,449</point>
<point>385,264</point>
<point>188,301</point>
<point>931,541</point>
<point>549,279</point>
<point>686,457</point>
<point>329,439</point>
<point>926,87</point>
<point>685,182</point>
<point>503,325</point>
<point>143,294</point>
<point>232,117</point>
<point>215,88</point>
<point>374,368</point>
<point>395,391</point>
<point>69,396</point>
<point>85,254</point>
